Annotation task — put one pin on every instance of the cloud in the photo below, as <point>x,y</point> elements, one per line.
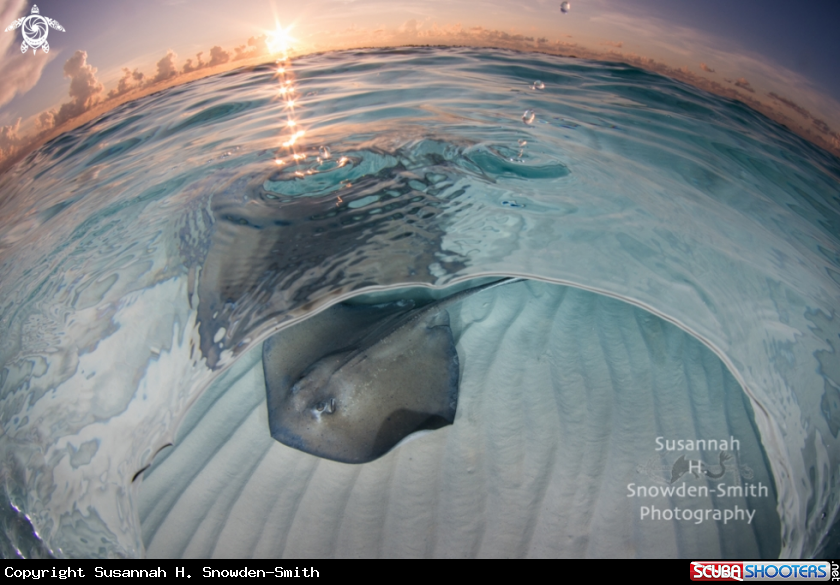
<point>740,82</point>
<point>706,68</point>
<point>19,72</point>
<point>189,67</point>
<point>129,81</point>
<point>743,84</point>
<point>10,139</point>
<point>166,68</point>
<point>408,28</point>
<point>85,91</point>
<point>10,10</point>
<point>84,88</point>
<point>476,34</point>
<point>87,94</point>
<point>613,44</point>
<point>255,47</point>
<point>45,121</point>
<point>218,56</point>
<point>791,104</point>
<point>819,125</point>
<point>822,127</point>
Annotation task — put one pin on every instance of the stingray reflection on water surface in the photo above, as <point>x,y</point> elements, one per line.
<point>278,239</point>
<point>271,247</point>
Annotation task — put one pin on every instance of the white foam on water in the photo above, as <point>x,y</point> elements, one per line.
<point>149,389</point>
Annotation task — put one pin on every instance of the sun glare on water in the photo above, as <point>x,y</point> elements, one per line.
<point>291,151</point>
<point>280,41</point>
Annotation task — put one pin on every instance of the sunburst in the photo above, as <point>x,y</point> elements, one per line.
<point>279,40</point>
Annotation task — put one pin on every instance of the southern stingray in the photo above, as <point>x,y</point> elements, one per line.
<point>353,381</point>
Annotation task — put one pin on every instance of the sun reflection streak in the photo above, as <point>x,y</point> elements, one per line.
<point>280,41</point>
<point>290,150</point>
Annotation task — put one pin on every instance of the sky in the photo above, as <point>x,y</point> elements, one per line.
<point>779,57</point>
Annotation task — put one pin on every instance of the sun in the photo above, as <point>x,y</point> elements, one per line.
<point>279,40</point>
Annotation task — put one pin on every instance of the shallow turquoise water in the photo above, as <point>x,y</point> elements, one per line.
<point>141,253</point>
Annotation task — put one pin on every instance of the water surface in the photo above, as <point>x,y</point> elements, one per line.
<point>143,253</point>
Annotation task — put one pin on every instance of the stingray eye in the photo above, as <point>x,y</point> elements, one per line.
<point>326,406</point>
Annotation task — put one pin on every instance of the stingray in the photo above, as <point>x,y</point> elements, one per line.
<point>353,381</point>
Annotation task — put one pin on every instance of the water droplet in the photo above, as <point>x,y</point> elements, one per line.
<point>528,116</point>
<point>324,151</point>
<point>538,85</point>
<point>565,7</point>
<point>522,142</point>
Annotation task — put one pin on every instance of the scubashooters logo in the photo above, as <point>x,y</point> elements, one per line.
<point>35,29</point>
<point>761,571</point>
<point>728,479</point>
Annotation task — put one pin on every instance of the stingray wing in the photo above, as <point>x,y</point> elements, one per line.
<point>339,329</point>
<point>54,24</point>
<point>15,24</point>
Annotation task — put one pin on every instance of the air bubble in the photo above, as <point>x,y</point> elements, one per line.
<point>528,116</point>
<point>324,151</point>
<point>538,85</point>
<point>565,7</point>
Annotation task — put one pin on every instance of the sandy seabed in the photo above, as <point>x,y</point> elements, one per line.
<point>563,394</point>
